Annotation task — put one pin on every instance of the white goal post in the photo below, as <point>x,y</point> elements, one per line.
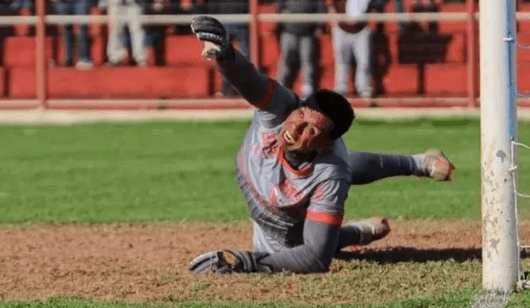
<point>498,117</point>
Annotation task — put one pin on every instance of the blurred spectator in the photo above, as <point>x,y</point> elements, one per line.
<point>125,13</point>
<point>351,40</point>
<point>75,7</point>
<point>299,44</point>
<point>425,6</point>
<point>237,31</point>
<point>155,34</point>
<point>6,8</point>
<point>17,5</point>
<point>23,8</point>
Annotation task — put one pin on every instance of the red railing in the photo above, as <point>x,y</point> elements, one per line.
<point>471,100</point>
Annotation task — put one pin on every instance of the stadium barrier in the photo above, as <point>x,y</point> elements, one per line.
<point>40,86</point>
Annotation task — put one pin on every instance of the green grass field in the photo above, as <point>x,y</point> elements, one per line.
<point>174,171</point>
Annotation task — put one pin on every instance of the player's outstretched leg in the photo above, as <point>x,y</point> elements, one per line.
<point>363,232</point>
<point>368,167</point>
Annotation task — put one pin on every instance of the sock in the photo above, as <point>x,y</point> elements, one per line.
<point>418,161</point>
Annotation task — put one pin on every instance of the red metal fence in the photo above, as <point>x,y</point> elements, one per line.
<point>37,84</point>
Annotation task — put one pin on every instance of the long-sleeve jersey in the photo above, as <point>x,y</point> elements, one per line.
<point>297,212</point>
<point>280,197</point>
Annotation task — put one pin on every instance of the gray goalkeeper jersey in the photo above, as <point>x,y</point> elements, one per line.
<point>279,196</point>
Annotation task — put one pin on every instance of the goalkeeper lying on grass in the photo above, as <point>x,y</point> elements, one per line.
<point>295,171</point>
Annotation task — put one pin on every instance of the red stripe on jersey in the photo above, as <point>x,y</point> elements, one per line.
<point>268,96</point>
<point>326,218</point>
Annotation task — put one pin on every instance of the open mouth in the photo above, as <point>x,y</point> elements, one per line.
<point>288,137</point>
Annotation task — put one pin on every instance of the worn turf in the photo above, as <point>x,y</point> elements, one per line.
<point>167,171</point>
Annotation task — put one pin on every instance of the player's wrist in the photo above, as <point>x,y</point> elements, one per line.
<point>226,53</point>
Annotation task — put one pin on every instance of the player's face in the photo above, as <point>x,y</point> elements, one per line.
<point>305,129</point>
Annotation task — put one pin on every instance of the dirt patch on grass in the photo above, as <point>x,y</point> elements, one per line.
<point>148,262</point>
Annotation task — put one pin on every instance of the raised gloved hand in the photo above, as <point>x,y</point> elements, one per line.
<point>213,34</point>
<point>227,262</point>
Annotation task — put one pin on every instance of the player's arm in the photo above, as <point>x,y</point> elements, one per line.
<point>314,256</point>
<point>321,230</point>
<point>253,85</point>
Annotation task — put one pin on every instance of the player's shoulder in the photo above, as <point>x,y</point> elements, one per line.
<point>332,163</point>
<point>282,102</point>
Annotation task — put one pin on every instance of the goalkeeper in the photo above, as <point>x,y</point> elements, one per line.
<point>295,171</point>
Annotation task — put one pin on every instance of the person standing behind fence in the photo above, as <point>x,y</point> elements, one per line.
<point>237,31</point>
<point>125,13</point>
<point>351,40</point>
<point>299,44</point>
<point>17,5</point>
<point>75,7</point>
<point>155,34</point>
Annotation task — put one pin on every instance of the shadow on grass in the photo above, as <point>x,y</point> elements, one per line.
<point>410,254</point>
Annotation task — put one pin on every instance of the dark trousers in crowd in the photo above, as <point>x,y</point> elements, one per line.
<point>75,8</point>
<point>299,51</point>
